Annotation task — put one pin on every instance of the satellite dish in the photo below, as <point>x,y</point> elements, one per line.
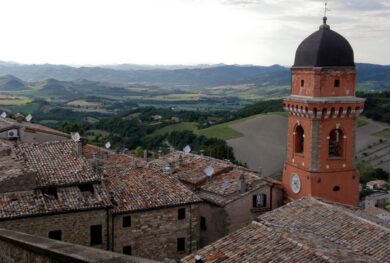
<point>107,145</point>
<point>187,149</point>
<point>29,117</point>
<point>4,115</point>
<point>209,171</point>
<point>75,136</point>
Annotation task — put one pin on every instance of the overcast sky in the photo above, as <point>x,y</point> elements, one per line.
<point>261,32</point>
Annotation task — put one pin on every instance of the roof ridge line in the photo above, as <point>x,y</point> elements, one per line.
<point>353,215</point>
<point>317,252</point>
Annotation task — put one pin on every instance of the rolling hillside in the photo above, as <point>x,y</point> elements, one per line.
<point>369,76</point>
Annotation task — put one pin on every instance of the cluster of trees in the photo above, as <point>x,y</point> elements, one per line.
<point>377,106</point>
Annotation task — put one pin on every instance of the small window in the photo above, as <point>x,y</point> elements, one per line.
<point>181,244</point>
<point>50,192</point>
<point>86,188</point>
<point>337,83</point>
<point>203,223</point>
<point>259,200</point>
<point>336,188</point>
<point>55,234</point>
<point>96,235</point>
<point>181,213</point>
<point>126,250</point>
<point>126,221</point>
<point>302,83</point>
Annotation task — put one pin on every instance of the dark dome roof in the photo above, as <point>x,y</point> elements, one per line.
<point>324,48</point>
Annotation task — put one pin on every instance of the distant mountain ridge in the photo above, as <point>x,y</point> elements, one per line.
<point>192,76</point>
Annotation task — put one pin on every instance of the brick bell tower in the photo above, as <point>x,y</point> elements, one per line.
<point>322,112</point>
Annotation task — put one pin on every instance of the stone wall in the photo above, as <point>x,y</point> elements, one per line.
<point>75,226</point>
<point>221,221</point>
<point>153,233</point>
<point>215,223</point>
<point>18,247</point>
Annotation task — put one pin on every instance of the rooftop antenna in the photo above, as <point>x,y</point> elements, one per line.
<point>209,171</point>
<point>29,117</point>
<point>187,149</point>
<point>75,136</point>
<point>4,115</point>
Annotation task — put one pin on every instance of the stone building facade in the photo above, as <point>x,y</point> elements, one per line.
<point>74,227</point>
<point>232,196</point>
<point>51,191</point>
<point>158,233</point>
<point>154,215</point>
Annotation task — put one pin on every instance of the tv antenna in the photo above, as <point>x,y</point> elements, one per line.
<point>107,145</point>
<point>187,149</point>
<point>209,171</point>
<point>75,136</point>
<point>29,117</point>
<point>3,115</point>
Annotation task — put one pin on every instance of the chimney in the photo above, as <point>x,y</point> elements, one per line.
<point>5,150</point>
<point>19,117</point>
<point>146,155</point>
<point>260,170</point>
<point>198,259</point>
<point>79,148</point>
<point>242,186</point>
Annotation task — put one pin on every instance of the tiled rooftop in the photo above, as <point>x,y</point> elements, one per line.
<point>36,202</point>
<point>222,187</point>
<point>307,230</point>
<point>108,158</point>
<point>142,188</point>
<point>6,123</point>
<point>57,163</point>
<point>10,167</point>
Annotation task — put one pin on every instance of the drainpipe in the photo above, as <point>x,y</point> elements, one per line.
<point>108,227</point>
<point>112,232</point>
<point>190,228</point>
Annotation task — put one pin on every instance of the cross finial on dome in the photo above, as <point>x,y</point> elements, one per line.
<point>325,18</point>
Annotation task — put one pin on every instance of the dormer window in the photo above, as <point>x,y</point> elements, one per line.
<point>336,83</point>
<point>50,192</point>
<point>86,188</point>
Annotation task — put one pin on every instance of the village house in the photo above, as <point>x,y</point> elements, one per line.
<point>23,131</point>
<point>306,230</point>
<point>376,184</point>
<point>49,190</point>
<point>153,215</point>
<point>233,195</point>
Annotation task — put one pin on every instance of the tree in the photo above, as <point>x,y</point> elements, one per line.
<point>139,152</point>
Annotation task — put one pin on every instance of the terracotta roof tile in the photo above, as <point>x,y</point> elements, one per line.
<point>35,202</point>
<point>306,230</point>
<point>57,163</point>
<point>142,188</point>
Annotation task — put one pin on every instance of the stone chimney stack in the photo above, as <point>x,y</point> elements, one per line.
<point>242,184</point>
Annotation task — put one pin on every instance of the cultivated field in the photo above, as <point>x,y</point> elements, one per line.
<point>263,143</point>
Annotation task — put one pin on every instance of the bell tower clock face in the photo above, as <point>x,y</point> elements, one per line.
<point>295,183</point>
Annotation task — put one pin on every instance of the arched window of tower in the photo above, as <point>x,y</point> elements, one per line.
<point>336,138</point>
<point>299,139</point>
